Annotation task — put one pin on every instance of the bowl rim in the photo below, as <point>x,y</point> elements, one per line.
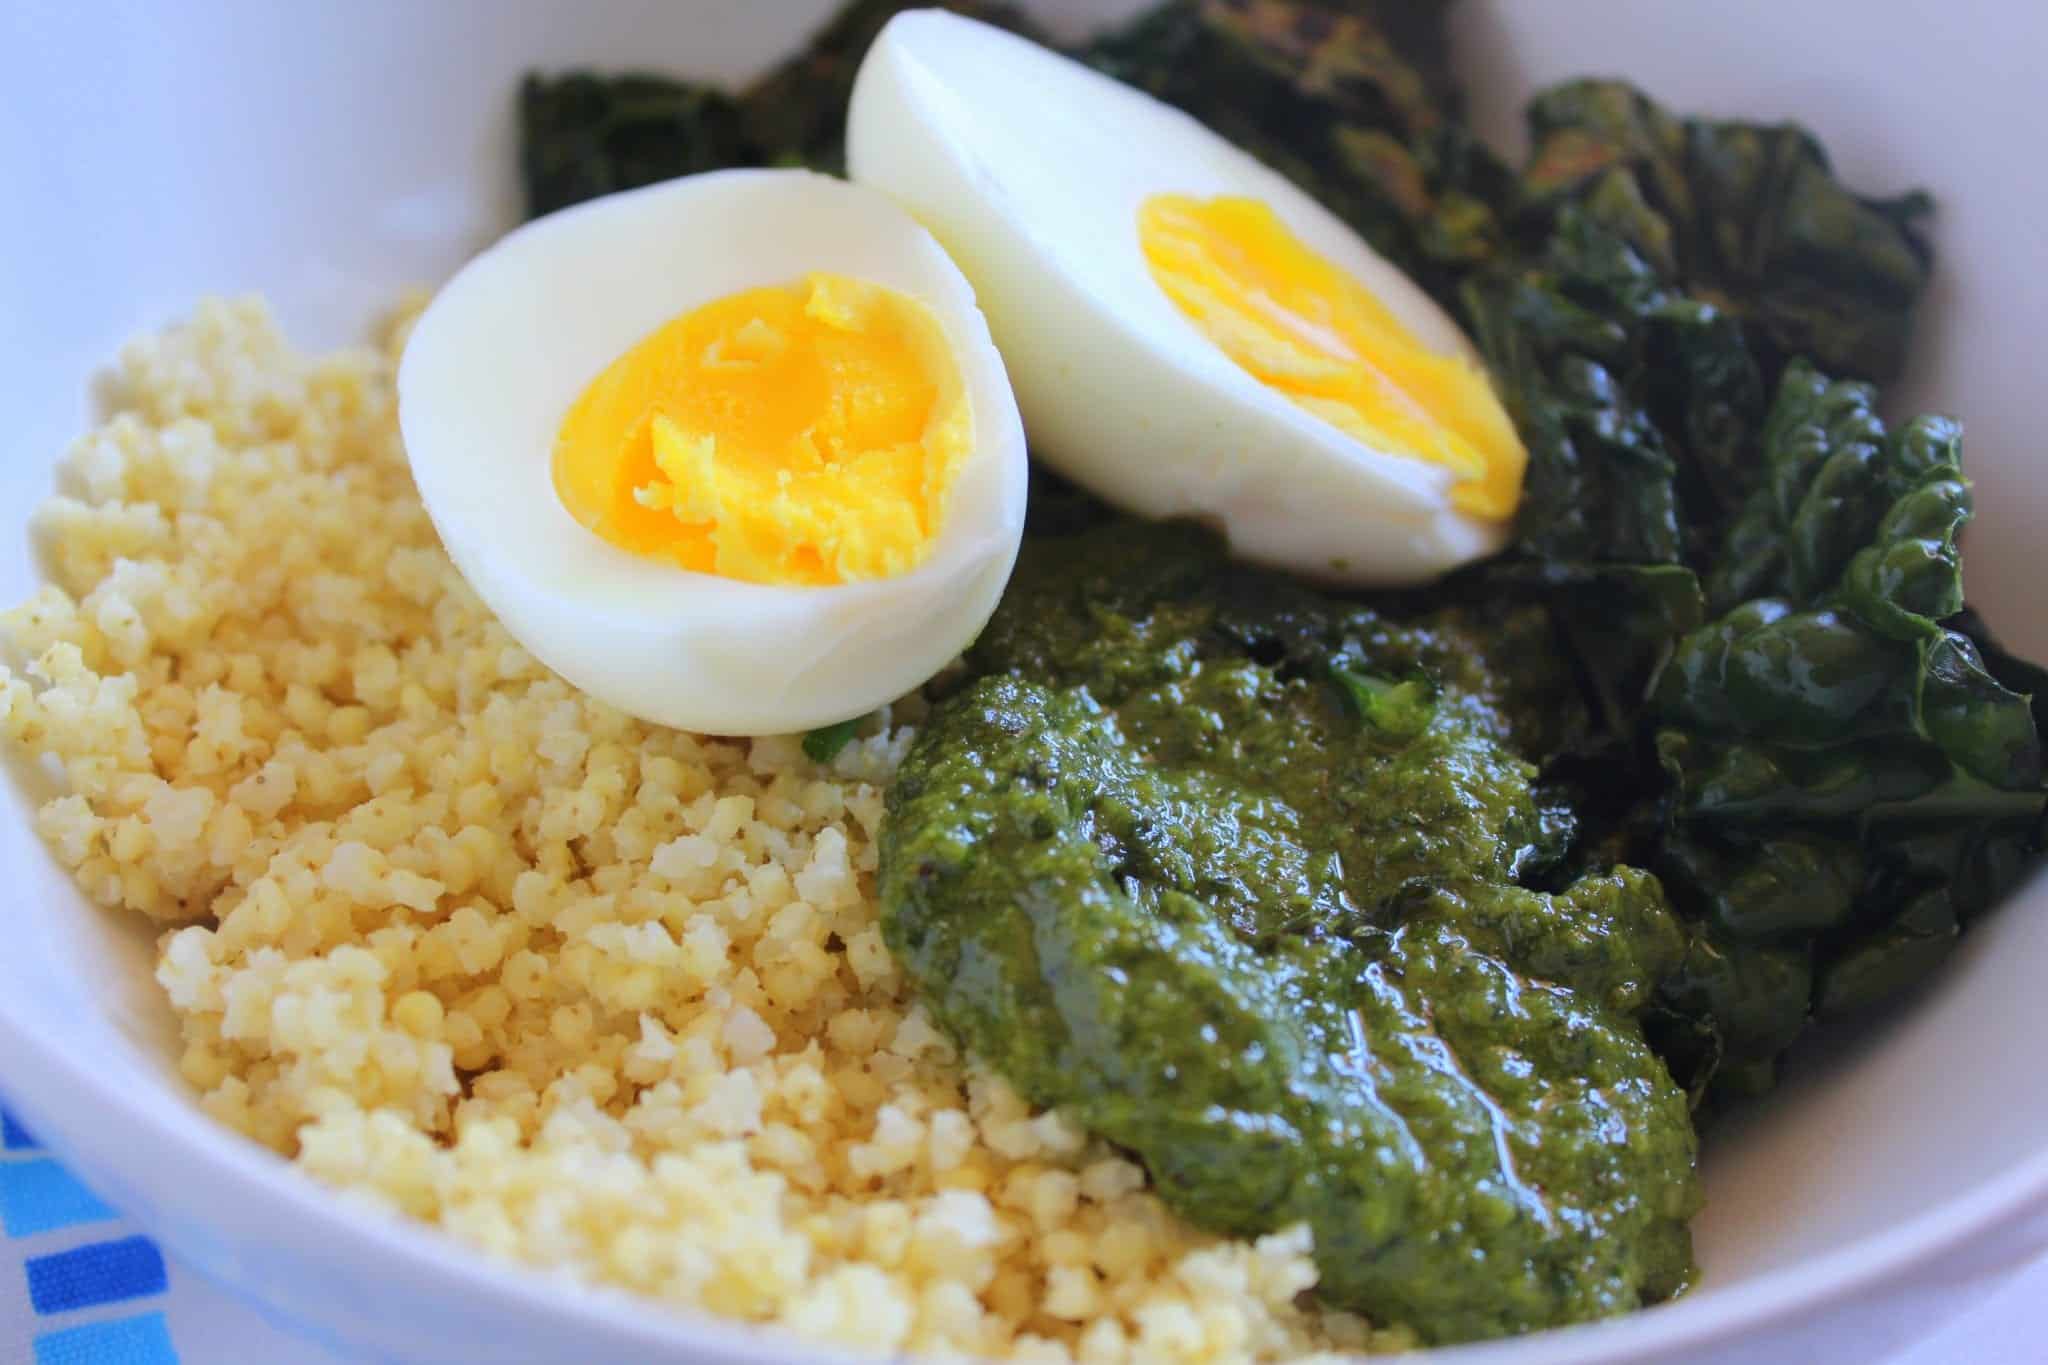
<point>219,1164</point>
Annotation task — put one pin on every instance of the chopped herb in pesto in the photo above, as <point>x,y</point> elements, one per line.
<point>1399,709</point>
<point>823,744</point>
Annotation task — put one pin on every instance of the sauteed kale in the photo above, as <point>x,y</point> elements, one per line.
<point>582,135</point>
<point>1337,910</point>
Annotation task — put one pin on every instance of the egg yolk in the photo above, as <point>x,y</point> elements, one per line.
<point>800,434</point>
<point>1306,329</point>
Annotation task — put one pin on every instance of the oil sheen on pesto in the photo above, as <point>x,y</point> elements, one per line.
<point>1239,877</point>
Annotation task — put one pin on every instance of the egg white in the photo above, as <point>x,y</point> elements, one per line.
<point>497,358</point>
<point>1030,168</point>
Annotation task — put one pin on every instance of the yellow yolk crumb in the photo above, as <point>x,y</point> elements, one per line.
<point>1303,327</point>
<point>803,434</point>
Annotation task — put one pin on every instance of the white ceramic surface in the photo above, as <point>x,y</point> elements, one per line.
<point>329,155</point>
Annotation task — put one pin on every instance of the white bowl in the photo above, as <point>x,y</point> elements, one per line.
<point>329,156</point>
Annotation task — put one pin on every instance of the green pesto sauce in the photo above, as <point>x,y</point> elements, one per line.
<point>1238,874</point>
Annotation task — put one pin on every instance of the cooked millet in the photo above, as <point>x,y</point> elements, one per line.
<point>586,993</point>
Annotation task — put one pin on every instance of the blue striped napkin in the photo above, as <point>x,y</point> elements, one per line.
<point>81,1286</point>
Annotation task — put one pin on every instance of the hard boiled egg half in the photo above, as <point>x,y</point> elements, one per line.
<point>734,453</point>
<point>1189,334</point>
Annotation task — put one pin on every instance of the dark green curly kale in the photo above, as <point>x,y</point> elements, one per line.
<point>1637,404</point>
<point>1850,780</point>
<point>1746,216</point>
<point>1827,774</point>
<point>796,114</point>
<point>1830,767</point>
<point>582,134</point>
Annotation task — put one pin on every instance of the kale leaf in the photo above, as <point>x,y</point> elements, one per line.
<point>1849,780</point>
<point>1748,216</point>
<point>1831,769</point>
<point>582,135</point>
<point>823,744</point>
<point>1635,400</point>
<point>1635,403</point>
<point>796,114</point>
